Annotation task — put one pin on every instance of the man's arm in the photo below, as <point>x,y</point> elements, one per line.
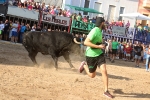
<point>88,42</point>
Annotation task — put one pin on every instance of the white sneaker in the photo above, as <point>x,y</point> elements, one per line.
<point>147,70</point>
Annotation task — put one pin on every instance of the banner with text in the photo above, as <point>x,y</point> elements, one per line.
<point>120,31</point>
<point>56,19</point>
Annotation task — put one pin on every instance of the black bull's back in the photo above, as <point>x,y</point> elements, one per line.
<point>53,43</point>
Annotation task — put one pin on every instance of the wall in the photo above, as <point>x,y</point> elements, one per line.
<point>130,7</point>
<point>143,10</point>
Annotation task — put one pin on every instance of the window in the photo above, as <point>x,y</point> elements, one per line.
<point>111,13</point>
<point>121,12</point>
<point>86,5</point>
<point>97,6</point>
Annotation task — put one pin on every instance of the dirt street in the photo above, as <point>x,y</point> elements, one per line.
<point>20,80</point>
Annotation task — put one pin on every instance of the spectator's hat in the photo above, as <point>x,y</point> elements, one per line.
<point>99,20</point>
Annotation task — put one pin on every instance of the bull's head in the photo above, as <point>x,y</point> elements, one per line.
<point>76,48</point>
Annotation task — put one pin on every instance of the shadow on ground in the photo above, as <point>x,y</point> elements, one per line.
<point>131,95</point>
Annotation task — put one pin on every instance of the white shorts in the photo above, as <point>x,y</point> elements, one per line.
<point>137,57</point>
<point>128,54</point>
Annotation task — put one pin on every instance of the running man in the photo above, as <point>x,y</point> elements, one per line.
<point>95,56</point>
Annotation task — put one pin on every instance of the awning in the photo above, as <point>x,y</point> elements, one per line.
<point>90,10</point>
<point>136,16</point>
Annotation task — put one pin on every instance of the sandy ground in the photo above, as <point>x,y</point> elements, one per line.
<point>20,80</point>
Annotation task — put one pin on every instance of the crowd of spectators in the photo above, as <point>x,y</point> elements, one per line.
<point>37,6</point>
<point>137,52</point>
<point>13,31</point>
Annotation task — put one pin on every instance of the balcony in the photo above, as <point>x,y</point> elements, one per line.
<point>146,4</point>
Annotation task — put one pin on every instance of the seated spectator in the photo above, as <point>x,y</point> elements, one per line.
<point>30,6</point>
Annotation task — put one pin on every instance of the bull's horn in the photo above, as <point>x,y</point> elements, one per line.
<point>76,41</point>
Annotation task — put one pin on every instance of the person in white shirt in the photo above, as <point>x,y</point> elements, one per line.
<point>14,37</point>
<point>1,29</point>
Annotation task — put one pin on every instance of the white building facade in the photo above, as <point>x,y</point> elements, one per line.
<point>111,8</point>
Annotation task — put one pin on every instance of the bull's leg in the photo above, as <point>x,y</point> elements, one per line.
<point>32,55</point>
<point>55,61</point>
<point>67,58</point>
<point>55,58</point>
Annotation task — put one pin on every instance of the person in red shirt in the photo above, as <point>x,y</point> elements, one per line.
<point>128,50</point>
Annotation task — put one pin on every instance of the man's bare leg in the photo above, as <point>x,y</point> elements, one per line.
<point>92,75</point>
<point>104,76</point>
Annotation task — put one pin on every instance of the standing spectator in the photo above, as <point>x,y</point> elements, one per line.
<point>128,24</point>
<point>15,3</point>
<point>14,37</point>
<point>24,4</point>
<point>52,11</point>
<point>18,30</point>
<point>114,49</point>
<point>85,19</point>
<point>123,23</point>
<point>10,30</point>
<point>30,6</point>
<point>77,38</point>
<point>145,49</point>
<point>128,50</point>
<point>146,27</point>
<point>28,28</point>
<point>34,6</point>
<point>22,30</point>
<point>1,29</point>
<point>44,29</point>
<point>109,47</point>
<point>6,30</point>
<point>148,58</point>
<point>19,4</point>
<point>68,13</point>
<point>93,20</point>
<point>38,28</point>
<point>79,17</point>
<point>33,27</point>
<point>138,49</point>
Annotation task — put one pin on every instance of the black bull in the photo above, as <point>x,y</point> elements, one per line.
<point>52,43</point>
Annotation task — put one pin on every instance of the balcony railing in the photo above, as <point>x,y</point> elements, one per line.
<point>146,4</point>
